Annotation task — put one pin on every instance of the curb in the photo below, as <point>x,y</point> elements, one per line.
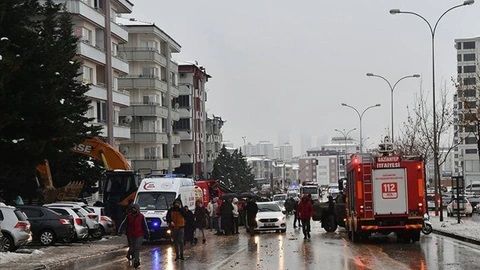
<point>113,252</point>
<point>458,237</point>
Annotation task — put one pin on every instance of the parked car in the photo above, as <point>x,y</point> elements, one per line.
<point>107,224</point>
<point>92,219</point>
<point>270,217</point>
<point>15,228</point>
<point>431,201</point>
<point>80,222</point>
<point>465,207</point>
<point>48,226</point>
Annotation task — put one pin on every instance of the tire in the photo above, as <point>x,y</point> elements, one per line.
<point>46,238</point>
<point>96,235</point>
<point>283,231</point>
<point>427,229</point>
<point>7,244</point>
<point>102,231</point>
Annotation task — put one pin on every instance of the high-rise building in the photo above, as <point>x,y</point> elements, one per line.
<point>466,106</point>
<point>192,123</point>
<point>214,140</point>
<point>152,84</point>
<point>285,152</point>
<point>95,23</point>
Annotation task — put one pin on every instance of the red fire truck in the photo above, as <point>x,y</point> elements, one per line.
<point>384,194</point>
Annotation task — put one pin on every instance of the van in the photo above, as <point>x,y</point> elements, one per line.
<point>156,195</point>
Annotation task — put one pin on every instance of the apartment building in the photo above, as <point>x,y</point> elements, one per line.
<point>95,23</point>
<point>152,84</point>
<point>214,140</point>
<point>262,148</point>
<point>191,125</point>
<point>307,171</point>
<point>284,152</point>
<point>262,169</point>
<point>466,109</point>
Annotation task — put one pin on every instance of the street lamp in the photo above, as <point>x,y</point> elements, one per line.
<point>433,30</point>
<point>392,88</point>
<point>360,116</point>
<point>345,136</point>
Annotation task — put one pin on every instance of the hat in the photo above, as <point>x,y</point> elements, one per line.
<point>235,200</point>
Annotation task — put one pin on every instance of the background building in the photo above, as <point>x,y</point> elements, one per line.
<point>262,169</point>
<point>95,23</point>
<point>307,169</point>
<point>214,140</point>
<point>152,84</point>
<point>192,123</point>
<point>467,107</point>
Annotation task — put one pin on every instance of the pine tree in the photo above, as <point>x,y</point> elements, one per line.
<point>222,168</point>
<point>42,104</point>
<point>233,171</point>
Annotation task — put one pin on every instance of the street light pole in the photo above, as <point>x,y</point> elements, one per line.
<point>433,30</point>
<point>360,117</point>
<point>392,88</point>
<point>345,135</point>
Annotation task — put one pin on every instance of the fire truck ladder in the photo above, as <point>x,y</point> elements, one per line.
<point>367,186</point>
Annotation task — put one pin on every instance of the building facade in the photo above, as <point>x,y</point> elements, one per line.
<point>466,108</point>
<point>95,24</point>
<point>214,140</point>
<point>152,84</point>
<point>262,169</point>
<point>191,125</point>
<point>307,169</point>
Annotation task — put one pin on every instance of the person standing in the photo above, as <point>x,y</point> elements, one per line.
<point>226,213</point>
<point>235,215</point>
<point>295,214</point>
<point>176,220</point>
<point>252,210</point>
<point>305,212</point>
<point>136,229</point>
<point>200,219</point>
<point>189,229</point>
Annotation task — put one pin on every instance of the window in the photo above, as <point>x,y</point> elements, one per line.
<point>469,81</point>
<point>114,49</point>
<point>1,215</point>
<point>458,46</point>
<point>183,101</point>
<point>150,99</point>
<point>459,69</point>
<point>32,213</point>
<point>182,124</point>
<point>163,48</point>
<point>470,105</point>
<point>469,45</point>
<point>469,93</point>
<point>86,36</point>
<point>173,78</point>
<point>459,57</point>
<point>470,151</point>
<point>163,71</point>
<point>469,57</point>
<point>150,152</point>
<point>470,140</point>
<point>149,44</point>
<point>469,69</point>
<point>87,74</point>
<point>470,129</point>
<point>101,111</point>
<point>150,72</point>
<point>115,84</point>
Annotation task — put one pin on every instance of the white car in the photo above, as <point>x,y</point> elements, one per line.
<point>465,208</point>
<point>106,223</point>
<point>80,223</point>
<point>91,218</point>
<point>270,217</point>
<point>15,228</point>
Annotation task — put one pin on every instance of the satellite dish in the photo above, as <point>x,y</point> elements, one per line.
<point>128,119</point>
<point>124,150</point>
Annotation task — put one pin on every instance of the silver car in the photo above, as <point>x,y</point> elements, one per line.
<point>80,222</point>
<point>91,218</point>
<point>15,228</point>
<point>107,224</point>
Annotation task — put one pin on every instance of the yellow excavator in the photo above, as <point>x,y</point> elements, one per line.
<point>120,185</point>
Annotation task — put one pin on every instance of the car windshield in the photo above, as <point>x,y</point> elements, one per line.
<point>279,197</point>
<point>270,207</point>
<point>88,209</point>
<point>155,200</point>
<point>309,190</point>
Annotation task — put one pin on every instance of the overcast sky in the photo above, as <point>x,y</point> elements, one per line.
<point>283,66</point>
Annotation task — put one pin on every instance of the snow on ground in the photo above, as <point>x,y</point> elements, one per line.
<point>14,256</point>
<point>467,228</point>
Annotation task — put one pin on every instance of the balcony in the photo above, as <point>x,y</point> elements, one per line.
<point>91,52</point>
<point>175,115</point>
<point>153,109</point>
<point>80,8</point>
<point>124,6</point>
<point>175,139</point>
<point>120,64</point>
<point>174,91</point>
<point>173,66</point>
<point>148,137</point>
<point>144,54</point>
<point>119,132</point>
<point>142,82</point>
<point>99,92</point>
<point>186,158</point>
<point>185,134</point>
<point>119,32</point>
<point>185,112</point>
<point>154,164</point>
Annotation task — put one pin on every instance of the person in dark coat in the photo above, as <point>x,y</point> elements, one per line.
<point>305,212</point>
<point>136,229</point>
<point>295,214</point>
<point>200,219</point>
<point>176,220</point>
<point>226,213</point>
<point>252,209</point>
<point>189,225</point>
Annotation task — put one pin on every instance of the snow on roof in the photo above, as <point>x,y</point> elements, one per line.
<point>132,22</point>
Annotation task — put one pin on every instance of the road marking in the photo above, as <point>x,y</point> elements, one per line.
<point>223,262</point>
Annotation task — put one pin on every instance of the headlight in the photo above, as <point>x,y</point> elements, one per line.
<point>284,218</point>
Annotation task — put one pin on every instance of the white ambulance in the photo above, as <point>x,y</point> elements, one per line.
<point>155,196</point>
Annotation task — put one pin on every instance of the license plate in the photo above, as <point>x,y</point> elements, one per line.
<point>269,224</point>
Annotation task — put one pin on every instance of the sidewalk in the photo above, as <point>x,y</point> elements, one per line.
<point>55,256</point>
<point>468,230</point>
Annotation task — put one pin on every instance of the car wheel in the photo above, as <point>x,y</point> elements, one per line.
<point>102,231</point>
<point>47,238</point>
<point>7,244</point>
<point>284,230</point>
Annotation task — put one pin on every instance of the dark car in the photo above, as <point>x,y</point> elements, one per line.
<point>48,226</point>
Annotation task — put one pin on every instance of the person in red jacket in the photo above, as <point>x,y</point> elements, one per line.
<point>136,229</point>
<point>305,212</point>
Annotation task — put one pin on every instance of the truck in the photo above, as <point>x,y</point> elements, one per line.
<point>384,193</point>
<point>311,188</point>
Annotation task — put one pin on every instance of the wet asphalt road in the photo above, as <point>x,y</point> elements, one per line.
<point>290,251</point>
